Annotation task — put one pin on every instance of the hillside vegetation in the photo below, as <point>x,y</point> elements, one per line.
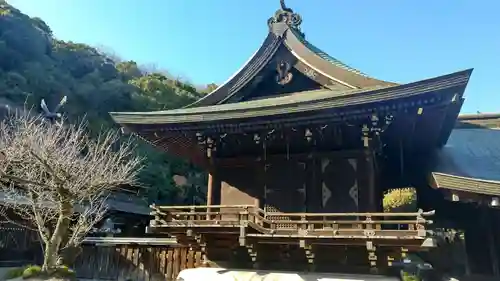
<point>35,65</point>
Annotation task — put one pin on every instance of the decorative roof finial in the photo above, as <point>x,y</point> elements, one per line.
<point>287,16</point>
<point>283,5</point>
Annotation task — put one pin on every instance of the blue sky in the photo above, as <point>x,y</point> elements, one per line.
<point>207,40</point>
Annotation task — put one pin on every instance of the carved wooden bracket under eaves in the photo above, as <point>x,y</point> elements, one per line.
<point>375,127</point>
<point>208,143</point>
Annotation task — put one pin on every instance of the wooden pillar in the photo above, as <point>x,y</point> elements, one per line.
<point>214,188</point>
<point>314,186</point>
<point>372,196</point>
<point>210,189</point>
<point>210,185</point>
<point>491,241</point>
<point>463,247</point>
<point>261,183</point>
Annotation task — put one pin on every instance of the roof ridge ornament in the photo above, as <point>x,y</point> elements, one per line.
<point>284,7</point>
<point>285,16</point>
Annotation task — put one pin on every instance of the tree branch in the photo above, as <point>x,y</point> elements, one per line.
<point>22,181</point>
<point>48,170</point>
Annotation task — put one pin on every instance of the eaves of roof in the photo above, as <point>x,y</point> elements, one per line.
<point>293,103</point>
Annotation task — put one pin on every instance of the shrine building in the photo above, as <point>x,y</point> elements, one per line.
<point>300,149</point>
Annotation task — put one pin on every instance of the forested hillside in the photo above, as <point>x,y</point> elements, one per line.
<point>35,65</point>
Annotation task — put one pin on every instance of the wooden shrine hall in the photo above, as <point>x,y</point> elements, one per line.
<point>300,149</point>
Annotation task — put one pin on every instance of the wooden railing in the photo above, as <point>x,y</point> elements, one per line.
<point>299,225</point>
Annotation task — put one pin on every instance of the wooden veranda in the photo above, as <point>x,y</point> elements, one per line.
<point>383,237</point>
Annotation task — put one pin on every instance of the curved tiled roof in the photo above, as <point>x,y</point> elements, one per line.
<point>239,79</point>
<point>327,65</point>
<point>293,103</point>
<point>479,120</point>
<point>294,40</point>
<point>470,162</point>
<point>326,56</point>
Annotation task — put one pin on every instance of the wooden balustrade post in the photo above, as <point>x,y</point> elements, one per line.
<point>245,217</point>
<point>368,222</point>
<point>193,216</point>
<point>304,224</point>
<point>155,213</point>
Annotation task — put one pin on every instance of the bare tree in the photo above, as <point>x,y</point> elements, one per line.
<point>58,179</point>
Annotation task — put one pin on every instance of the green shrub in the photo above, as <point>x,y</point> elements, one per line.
<point>409,277</point>
<point>65,273</point>
<point>14,273</point>
<point>400,198</point>
<point>31,271</point>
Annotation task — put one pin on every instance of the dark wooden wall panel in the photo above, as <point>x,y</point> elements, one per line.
<point>285,184</point>
<point>336,182</point>
<point>240,185</point>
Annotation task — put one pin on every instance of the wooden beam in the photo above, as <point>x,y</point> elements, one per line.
<point>245,160</point>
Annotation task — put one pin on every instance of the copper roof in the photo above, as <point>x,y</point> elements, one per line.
<point>224,103</point>
<point>479,120</point>
<point>295,103</point>
<point>284,30</point>
<point>328,65</point>
<point>470,162</point>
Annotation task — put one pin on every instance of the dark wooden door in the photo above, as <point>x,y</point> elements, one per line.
<point>339,184</point>
<point>285,186</point>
